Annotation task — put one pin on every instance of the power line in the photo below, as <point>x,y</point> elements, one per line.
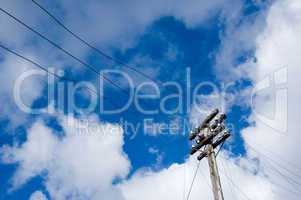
<point>99,51</point>
<point>184,181</point>
<point>281,186</point>
<point>206,181</point>
<point>290,180</point>
<point>220,149</point>
<point>236,186</point>
<point>191,185</point>
<point>210,134</point>
<point>278,164</point>
<point>288,162</point>
<point>62,49</point>
<point>46,70</point>
<point>229,184</point>
<point>30,61</point>
<point>55,75</point>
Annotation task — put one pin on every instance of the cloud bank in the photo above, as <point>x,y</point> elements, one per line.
<point>95,166</point>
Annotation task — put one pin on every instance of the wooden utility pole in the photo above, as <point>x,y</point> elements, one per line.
<point>215,179</point>
<point>208,136</point>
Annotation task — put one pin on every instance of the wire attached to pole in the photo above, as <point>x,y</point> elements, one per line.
<point>220,149</point>
<point>191,186</point>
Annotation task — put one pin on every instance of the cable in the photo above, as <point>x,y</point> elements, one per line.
<point>45,69</point>
<point>28,60</point>
<point>62,49</point>
<point>289,190</point>
<point>278,164</point>
<point>184,181</point>
<point>207,182</point>
<point>220,149</point>
<point>293,165</point>
<point>236,186</point>
<point>228,174</point>
<point>97,50</point>
<point>195,173</point>
<point>289,179</point>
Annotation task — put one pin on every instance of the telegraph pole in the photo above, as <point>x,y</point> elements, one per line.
<point>209,135</point>
<point>215,179</point>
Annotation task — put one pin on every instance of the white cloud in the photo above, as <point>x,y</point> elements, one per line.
<point>108,21</point>
<point>107,24</point>
<point>278,47</point>
<point>38,195</point>
<point>81,164</point>
<point>276,41</point>
<point>194,12</point>
<point>10,71</point>
<point>85,161</point>
<point>174,182</point>
<point>237,39</point>
<point>33,156</point>
<point>84,166</point>
<point>205,104</point>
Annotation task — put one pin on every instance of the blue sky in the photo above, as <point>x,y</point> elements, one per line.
<point>219,43</point>
<point>196,47</point>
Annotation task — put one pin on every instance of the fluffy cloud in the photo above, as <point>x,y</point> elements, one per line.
<point>272,137</point>
<point>33,156</point>
<point>84,166</point>
<point>108,21</point>
<point>174,181</point>
<point>275,117</point>
<point>11,71</point>
<point>239,39</point>
<point>81,164</point>
<point>38,195</point>
<point>105,23</point>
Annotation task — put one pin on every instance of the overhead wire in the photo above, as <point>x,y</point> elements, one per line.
<point>278,164</point>
<point>207,182</point>
<point>288,162</point>
<point>220,148</point>
<point>193,179</point>
<point>236,186</point>
<point>230,185</point>
<point>79,60</point>
<point>91,46</point>
<point>45,69</point>
<point>91,68</point>
<point>184,181</point>
<point>281,186</point>
<point>289,179</point>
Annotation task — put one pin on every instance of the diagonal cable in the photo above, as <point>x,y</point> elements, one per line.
<point>91,46</point>
<point>63,50</point>
<point>46,70</point>
<point>191,185</point>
